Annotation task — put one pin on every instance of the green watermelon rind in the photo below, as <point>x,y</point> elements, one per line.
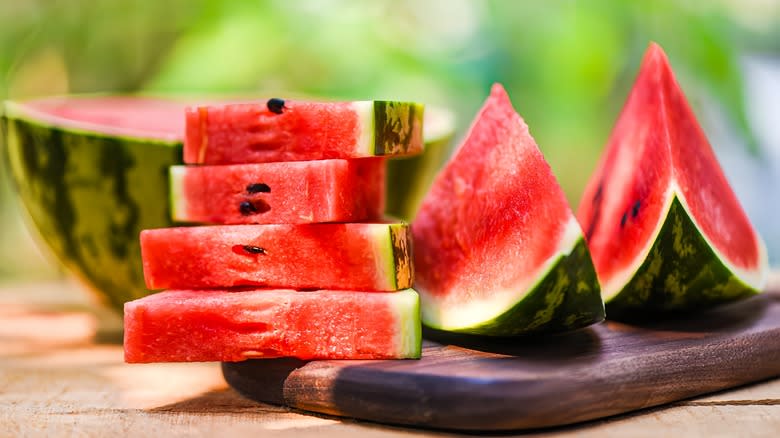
<point>410,333</point>
<point>394,243</point>
<point>410,178</point>
<point>681,272</point>
<point>564,297</point>
<point>59,205</point>
<point>391,117</point>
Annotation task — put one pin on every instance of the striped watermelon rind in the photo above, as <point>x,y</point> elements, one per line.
<point>409,178</point>
<point>89,194</point>
<point>565,296</point>
<point>681,272</point>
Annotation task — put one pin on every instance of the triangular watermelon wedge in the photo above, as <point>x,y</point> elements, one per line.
<point>498,250</point>
<point>665,229</point>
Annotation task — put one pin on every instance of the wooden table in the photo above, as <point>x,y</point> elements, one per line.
<point>62,374</point>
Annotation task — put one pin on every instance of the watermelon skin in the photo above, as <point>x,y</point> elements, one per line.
<point>90,194</point>
<point>301,131</point>
<point>275,193</point>
<point>410,178</point>
<point>354,256</point>
<point>498,251</point>
<point>665,229</point>
<point>664,284</point>
<point>231,326</point>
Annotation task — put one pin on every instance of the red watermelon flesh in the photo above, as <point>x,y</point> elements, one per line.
<point>493,225</point>
<point>123,116</point>
<point>279,130</point>
<point>229,326</point>
<point>658,152</point>
<point>274,193</point>
<point>354,256</point>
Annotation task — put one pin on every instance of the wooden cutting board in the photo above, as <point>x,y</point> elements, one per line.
<point>466,383</point>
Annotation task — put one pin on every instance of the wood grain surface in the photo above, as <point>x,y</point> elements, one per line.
<point>62,374</point>
<point>468,383</point>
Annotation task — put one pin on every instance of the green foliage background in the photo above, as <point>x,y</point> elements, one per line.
<point>567,64</point>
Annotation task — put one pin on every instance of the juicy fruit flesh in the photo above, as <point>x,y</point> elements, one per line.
<point>658,151</point>
<point>482,219</point>
<point>488,233</point>
<point>140,117</point>
<point>299,130</point>
<point>216,325</point>
<point>359,256</point>
<point>293,192</point>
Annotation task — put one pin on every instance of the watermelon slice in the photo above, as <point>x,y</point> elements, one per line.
<point>664,226</point>
<point>497,249</point>
<point>230,326</point>
<point>354,256</point>
<point>275,193</point>
<point>279,130</point>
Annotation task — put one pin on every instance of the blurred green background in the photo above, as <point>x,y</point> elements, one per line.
<point>568,66</point>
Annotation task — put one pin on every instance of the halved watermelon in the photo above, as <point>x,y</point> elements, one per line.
<point>355,256</point>
<point>497,249</point>
<point>92,173</point>
<point>665,228</point>
<point>289,130</point>
<point>274,193</point>
<point>229,326</point>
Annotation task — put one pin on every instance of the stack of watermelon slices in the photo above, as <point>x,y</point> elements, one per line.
<point>293,257</point>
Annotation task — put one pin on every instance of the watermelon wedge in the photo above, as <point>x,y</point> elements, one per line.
<point>275,193</point>
<point>230,326</point>
<point>353,256</point>
<point>289,130</point>
<point>497,248</point>
<point>665,228</point>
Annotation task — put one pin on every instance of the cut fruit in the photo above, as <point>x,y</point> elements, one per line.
<point>91,172</point>
<point>279,130</point>
<point>497,249</point>
<point>354,256</point>
<point>231,326</point>
<point>665,229</point>
<point>409,178</point>
<point>274,193</point>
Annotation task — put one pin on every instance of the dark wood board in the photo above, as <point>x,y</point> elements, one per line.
<point>465,383</point>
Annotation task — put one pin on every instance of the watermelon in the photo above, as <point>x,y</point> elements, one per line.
<point>498,250</point>
<point>230,326</point>
<point>355,256</point>
<point>409,178</point>
<point>289,130</point>
<point>268,193</point>
<point>92,173</point>
<point>665,229</point>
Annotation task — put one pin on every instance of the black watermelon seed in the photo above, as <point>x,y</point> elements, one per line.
<point>246,208</point>
<point>258,188</point>
<point>251,249</point>
<point>275,105</point>
<point>635,208</point>
<point>623,220</point>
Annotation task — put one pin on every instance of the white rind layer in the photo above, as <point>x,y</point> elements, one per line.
<point>755,279</point>
<point>459,315</point>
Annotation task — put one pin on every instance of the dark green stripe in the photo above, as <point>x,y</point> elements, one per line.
<point>397,127</point>
<point>681,273</point>
<point>567,298</point>
<point>401,239</point>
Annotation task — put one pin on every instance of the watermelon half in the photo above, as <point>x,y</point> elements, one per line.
<point>665,229</point>
<point>291,130</point>
<point>92,173</point>
<point>354,256</point>
<point>275,193</point>
<point>230,326</point>
<point>498,251</point>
